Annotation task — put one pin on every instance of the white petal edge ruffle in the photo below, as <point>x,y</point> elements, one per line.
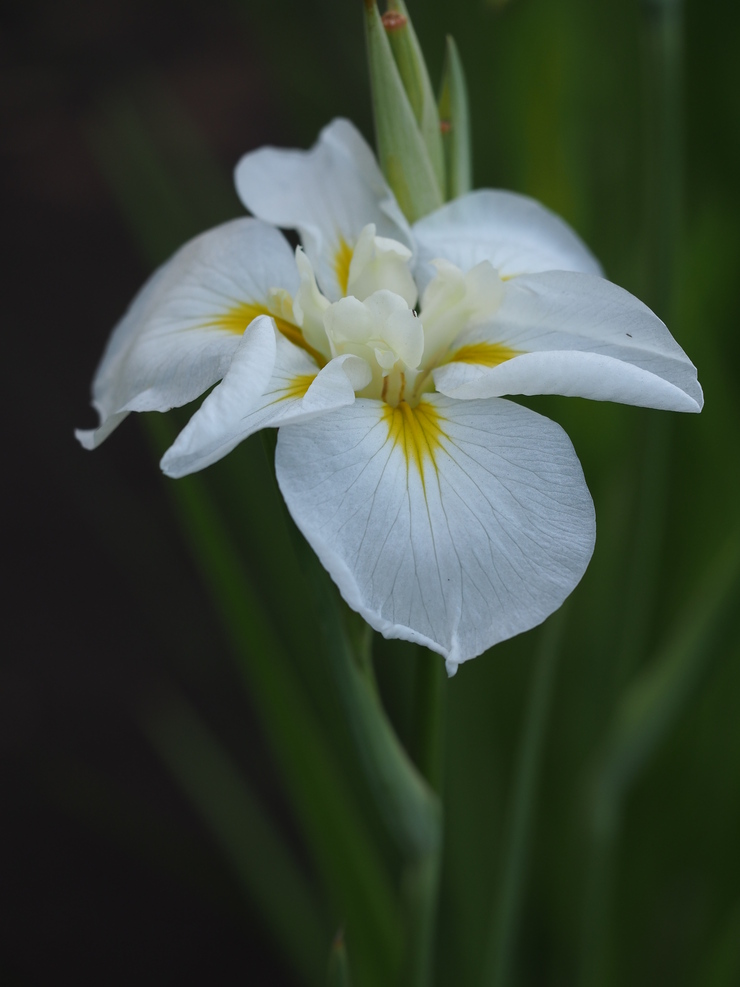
<point>269,383</point>
<point>166,350</point>
<point>579,336</point>
<point>518,235</point>
<point>329,194</point>
<point>483,541</point>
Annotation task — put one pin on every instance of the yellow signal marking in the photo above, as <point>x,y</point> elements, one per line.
<point>342,260</point>
<point>237,318</point>
<point>484,354</point>
<point>297,387</point>
<point>417,432</point>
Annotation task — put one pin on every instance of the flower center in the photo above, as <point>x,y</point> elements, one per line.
<point>376,319</point>
<point>385,332</point>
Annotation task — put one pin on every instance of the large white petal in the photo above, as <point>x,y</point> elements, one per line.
<point>270,382</point>
<point>457,525</point>
<point>329,194</point>
<point>578,335</point>
<point>516,234</point>
<point>183,327</point>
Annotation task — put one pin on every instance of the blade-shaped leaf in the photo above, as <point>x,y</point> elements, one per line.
<point>247,836</point>
<point>455,124</point>
<point>415,77</point>
<point>650,707</point>
<point>402,152</point>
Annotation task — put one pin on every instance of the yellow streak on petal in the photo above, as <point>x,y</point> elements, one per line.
<point>417,433</point>
<point>237,318</point>
<point>342,260</point>
<point>484,354</point>
<point>297,387</point>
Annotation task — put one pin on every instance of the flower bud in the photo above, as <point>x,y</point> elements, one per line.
<point>415,77</point>
<point>403,152</point>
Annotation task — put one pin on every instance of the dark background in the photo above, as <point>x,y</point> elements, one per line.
<point>106,873</point>
<point>109,875</point>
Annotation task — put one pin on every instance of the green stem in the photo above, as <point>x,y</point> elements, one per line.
<point>420,894</point>
<point>662,56</point>
<point>649,531</point>
<point>409,808</point>
<point>420,882</point>
<point>338,973</point>
<point>604,829</point>
<point>360,635</point>
<point>430,717</point>
<point>662,43</point>
<point>518,829</point>
<point>336,834</point>
<point>662,24</point>
<point>233,813</point>
<point>645,714</point>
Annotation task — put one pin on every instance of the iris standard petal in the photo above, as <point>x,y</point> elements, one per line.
<point>270,382</point>
<point>572,334</point>
<point>329,194</point>
<point>516,234</point>
<point>454,524</point>
<point>182,329</point>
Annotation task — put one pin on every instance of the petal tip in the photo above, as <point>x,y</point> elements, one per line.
<point>86,437</point>
<point>91,438</point>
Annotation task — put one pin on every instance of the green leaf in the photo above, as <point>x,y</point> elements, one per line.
<point>410,809</point>
<point>644,716</point>
<point>337,836</point>
<point>236,818</point>
<point>402,152</point>
<point>517,835</point>
<point>455,124</point>
<point>650,707</point>
<point>415,77</point>
<point>721,966</point>
<point>338,975</point>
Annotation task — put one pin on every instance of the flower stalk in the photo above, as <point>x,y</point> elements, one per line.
<point>430,718</point>
<point>411,811</point>
<point>519,824</point>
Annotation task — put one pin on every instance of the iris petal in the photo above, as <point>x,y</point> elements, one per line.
<point>184,326</point>
<point>455,524</point>
<point>329,194</point>
<point>577,335</point>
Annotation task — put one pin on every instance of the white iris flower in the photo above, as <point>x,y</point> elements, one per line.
<point>445,515</point>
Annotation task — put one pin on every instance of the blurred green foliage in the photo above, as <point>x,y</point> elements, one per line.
<point>632,872</point>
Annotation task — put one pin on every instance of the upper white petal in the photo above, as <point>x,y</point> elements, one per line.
<point>269,382</point>
<point>329,194</point>
<point>516,234</point>
<point>578,335</point>
<point>457,549</point>
<point>169,348</point>
<point>377,263</point>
